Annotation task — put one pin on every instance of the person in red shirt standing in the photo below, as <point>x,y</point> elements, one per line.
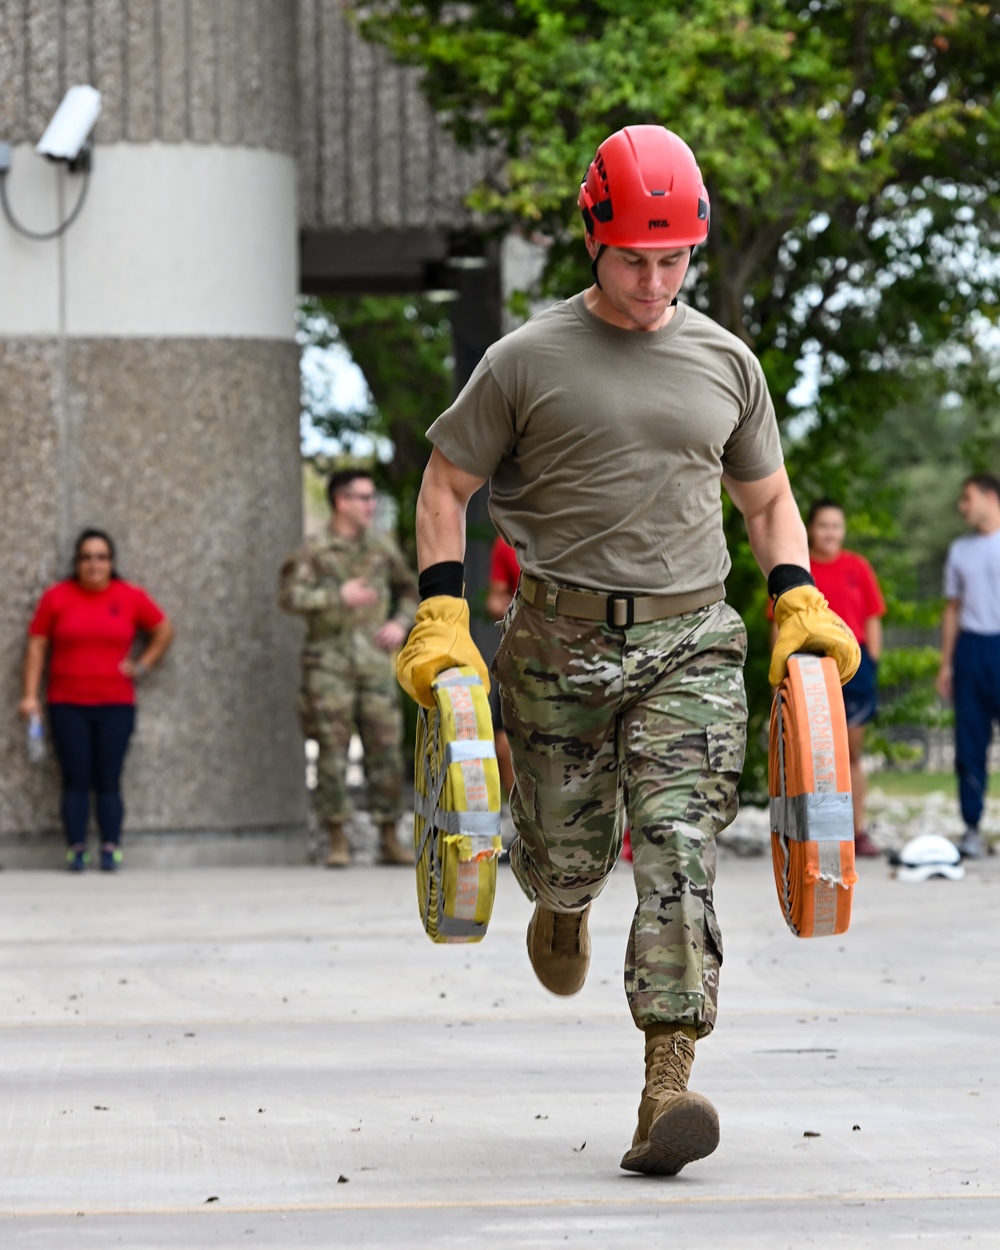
<point>85,626</point>
<point>851,588</point>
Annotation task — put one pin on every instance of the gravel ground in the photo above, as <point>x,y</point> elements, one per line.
<point>892,821</point>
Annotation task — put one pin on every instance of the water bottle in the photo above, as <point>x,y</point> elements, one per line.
<point>36,739</point>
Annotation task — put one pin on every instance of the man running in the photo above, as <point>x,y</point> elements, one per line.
<point>606,426</point>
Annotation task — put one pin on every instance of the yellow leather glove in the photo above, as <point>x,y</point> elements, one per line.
<point>806,623</point>
<point>439,639</point>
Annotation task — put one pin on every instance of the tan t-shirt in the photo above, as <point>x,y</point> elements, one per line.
<point>605,446</point>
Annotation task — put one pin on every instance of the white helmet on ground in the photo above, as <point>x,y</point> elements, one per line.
<point>929,855</point>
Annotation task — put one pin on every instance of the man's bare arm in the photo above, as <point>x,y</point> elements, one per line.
<point>441,505</point>
<point>778,539</point>
<point>774,526</point>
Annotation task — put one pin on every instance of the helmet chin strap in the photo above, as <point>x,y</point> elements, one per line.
<point>593,265</point>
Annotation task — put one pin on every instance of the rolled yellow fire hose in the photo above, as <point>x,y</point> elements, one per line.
<point>456,825</point>
<point>812,819</point>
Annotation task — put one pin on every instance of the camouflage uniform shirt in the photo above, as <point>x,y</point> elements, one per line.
<point>348,682</point>
<point>311,579</point>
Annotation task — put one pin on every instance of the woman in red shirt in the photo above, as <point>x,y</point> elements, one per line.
<point>86,626</point>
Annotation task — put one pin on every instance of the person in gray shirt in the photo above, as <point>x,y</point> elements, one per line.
<point>970,647</point>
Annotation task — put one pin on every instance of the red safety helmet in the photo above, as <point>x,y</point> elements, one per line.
<point>644,189</point>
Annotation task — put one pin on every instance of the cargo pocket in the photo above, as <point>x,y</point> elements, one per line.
<point>713,936</point>
<point>713,803</point>
<point>506,627</point>
<point>727,744</point>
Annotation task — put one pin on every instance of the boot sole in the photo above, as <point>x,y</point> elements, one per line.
<point>686,1131</point>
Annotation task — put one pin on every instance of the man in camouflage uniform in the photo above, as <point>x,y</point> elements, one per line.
<point>606,427</point>
<point>358,596</point>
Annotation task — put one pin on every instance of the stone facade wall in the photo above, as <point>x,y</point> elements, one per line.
<point>371,154</point>
<point>180,450</point>
<point>148,368</point>
<point>173,71</point>
<point>176,431</point>
<point>286,75</point>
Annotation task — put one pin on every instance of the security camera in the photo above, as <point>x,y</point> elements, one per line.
<point>66,134</point>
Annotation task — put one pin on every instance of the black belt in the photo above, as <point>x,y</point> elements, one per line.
<point>617,610</point>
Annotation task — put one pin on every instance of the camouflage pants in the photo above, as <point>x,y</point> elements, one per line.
<point>647,724</point>
<point>333,702</point>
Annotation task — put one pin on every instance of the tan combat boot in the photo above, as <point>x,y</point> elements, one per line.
<point>675,1126</point>
<point>559,948</point>
<point>391,850</point>
<point>339,855</point>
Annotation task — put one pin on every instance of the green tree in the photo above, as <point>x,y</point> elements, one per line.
<point>403,346</point>
<point>852,154</point>
<point>851,150</point>
<point>922,452</point>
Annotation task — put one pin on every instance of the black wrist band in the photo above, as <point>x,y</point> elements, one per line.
<point>786,577</point>
<point>446,578</point>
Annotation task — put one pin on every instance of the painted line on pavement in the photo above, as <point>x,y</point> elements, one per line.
<point>501,1204</point>
<point>826,1014</point>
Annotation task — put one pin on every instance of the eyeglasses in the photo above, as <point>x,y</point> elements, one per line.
<point>369,498</point>
<point>90,555</point>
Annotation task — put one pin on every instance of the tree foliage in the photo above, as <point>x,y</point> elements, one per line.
<point>851,151</point>
<point>402,344</point>
<point>923,450</point>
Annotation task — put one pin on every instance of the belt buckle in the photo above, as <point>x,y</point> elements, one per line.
<point>616,601</point>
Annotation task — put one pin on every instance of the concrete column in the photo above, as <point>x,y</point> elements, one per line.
<point>476,324</point>
<point>150,387</point>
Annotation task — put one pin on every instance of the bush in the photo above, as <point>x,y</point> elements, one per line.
<point>909,705</point>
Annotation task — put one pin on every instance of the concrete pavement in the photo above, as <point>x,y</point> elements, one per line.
<point>279,1058</point>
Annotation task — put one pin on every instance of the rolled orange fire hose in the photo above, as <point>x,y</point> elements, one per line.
<point>812,820</point>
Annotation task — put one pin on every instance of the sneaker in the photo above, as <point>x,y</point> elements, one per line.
<point>971,845</point>
<point>76,859</point>
<point>111,858</point>
<point>864,847</point>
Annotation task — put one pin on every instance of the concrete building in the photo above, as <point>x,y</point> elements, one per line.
<point>247,150</point>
